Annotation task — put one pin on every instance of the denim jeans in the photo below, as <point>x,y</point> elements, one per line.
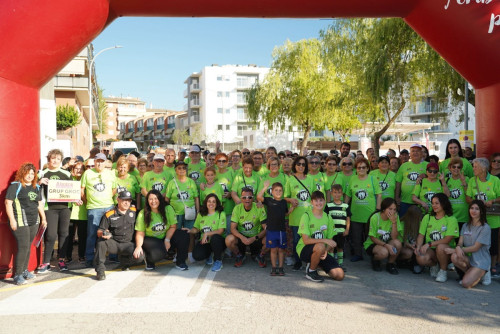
<point>94,218</point>
<point>182,222</point>
<point>296,238</point>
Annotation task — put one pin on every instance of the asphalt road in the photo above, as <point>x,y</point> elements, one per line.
<point>245,300</point>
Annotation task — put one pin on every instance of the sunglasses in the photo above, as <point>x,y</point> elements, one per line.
<point>433,171</point>
<point>288,155</point>
<point>300,164</point>
<point>497,161</point>
<point>236,156</point>
<point>332,165</point>
<point>274,165</point>
<point>246,197</point>
<point>361,167</point>
<point>456,167</point>
<point>221,161</point>
<point>245,153</point>
<point>347,164</point>
<point>314,162</point>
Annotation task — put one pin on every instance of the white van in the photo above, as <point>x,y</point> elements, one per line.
<point>125,146</point>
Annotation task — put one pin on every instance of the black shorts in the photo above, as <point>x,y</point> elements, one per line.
<point>327,264</point>
<point>494,242</point>
<point>340,240</point>
<point>369,250</point>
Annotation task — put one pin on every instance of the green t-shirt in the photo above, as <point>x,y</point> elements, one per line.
<point>363,197</point>
<point>170,170</point>
<point>458,199</point>
<point>188,191</point>
<point>135,173</point>
<point>294,189</point>
<point>315,228</point>
<point>387,182</point>
<point>466,169</point>
<point>99,188</point>
<point>210,223</point>
<point>195,172</point>
<point>425,190</point>
<point>152,180</point>
<point>242,181</point>
<point>281,178</point>
<point>381,229</point>
<point>157,228</point>
<point>319,183</point>
<point>337,178</point>
<point>263,171</point>
<point>249,222</point>
<point>226,181</point>
<point>436,229</point>
<point>407,175</point>
<point>488,190</point>
<point>215,189</point>
<point>130,183</point>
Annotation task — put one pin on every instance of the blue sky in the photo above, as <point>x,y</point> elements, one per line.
<point>158,54</point>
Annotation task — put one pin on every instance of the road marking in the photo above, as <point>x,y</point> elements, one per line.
<point>165,290</point>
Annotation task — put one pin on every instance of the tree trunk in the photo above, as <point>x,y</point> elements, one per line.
<point>376,136</point>
<point>307,131</point>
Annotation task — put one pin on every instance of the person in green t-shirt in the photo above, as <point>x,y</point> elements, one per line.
<point>247,229</point>
<point>454,150</point>
<point>332,176</point>
<point>317,231</point>
<point>407,176</point>
<point>457,184</point>
<point>127,181</point>
<point>247,179</point>
<point>157,178</point>
<point>365,196</point>
<point>258,168</point>
<point>225,176</point>
<point>195,165</point>
<point>437,232</point>
<point>385,236</point>
<point>385,178</point>
<point>426,188</point>
<point>211,224</point>
<point>156,232</point>
<point>298,190</point>
<point>274,175</point>
<point>78,219</point>
<point>316,174</point>
<point>210,186</point>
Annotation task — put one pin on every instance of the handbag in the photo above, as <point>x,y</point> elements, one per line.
<point>189,211</point>
<point>493,210</point>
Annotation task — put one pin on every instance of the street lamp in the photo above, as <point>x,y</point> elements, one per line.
<point>91,64</point>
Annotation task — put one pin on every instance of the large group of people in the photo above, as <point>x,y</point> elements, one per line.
<point>412,210</point>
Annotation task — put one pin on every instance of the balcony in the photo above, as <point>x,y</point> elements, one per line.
<point>195,119</point>
<point>71,82</point>
<point>194,103</point>
<point>194,87</point>
<point>185,93</point>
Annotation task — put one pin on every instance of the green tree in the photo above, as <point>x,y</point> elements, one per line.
<point>103,116</point>
<point>298,89</point>
<point>180,137</point>
<point>67,117</point>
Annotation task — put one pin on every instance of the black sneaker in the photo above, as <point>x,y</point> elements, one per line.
<point>376,265</point>
<point>391,268</point>
<point>101,276</point>
<point>273,271</point>
<point>314,276</point>
<point>281,272</point>
<point>150,266</point>
<point>297,266</point>
<point>125,268</point>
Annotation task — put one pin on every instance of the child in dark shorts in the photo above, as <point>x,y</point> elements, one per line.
<point>341,215</point>
<point>277,210</point>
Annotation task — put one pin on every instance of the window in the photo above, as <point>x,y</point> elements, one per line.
<point>228,111</point>
<point>246,81</point>
<point>131,105</point>
<point>219,78</point>
<point>219,94</point>
<point>219,110</point>
<point>241,128</point>
<point>122,126</point>
<point>242,113</point>
<point>110,123</point>
<point>228,127</point>
<point>111,132</point>
<point>219,127</point>
<point>241,98</point>
<point>110,113</point>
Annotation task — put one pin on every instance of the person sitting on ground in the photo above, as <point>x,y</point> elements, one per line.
<point>411,221</point>
<point>115,235</point>
<point>277,210</point>
<point>438,229</point>
<point>317,230</point>
<point>341,215</point>
<point>156,232</point>
<point>211,223</point>
<point>471,257</point>
<point>385,236</point>
<point>247,229</point>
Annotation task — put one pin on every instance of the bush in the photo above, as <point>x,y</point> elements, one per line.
<point>67,117</point>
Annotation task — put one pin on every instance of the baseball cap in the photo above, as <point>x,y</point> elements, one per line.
<point>405,151</point>
<point>432,165</point>
<point>159,156</point>
<point>124,195</point>
<point>79,158</point>
<point>194,148</point>
<point>416,145</point>
<point>183,150</point>
<point>180,163</point>
<point>100,156</point>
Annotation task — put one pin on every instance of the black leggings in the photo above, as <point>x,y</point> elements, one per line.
<point>81,227</point>
<point>255,247</point>
<point>24,236</point>
<point>358,234</point>
<point>154,248</point>
<point>216,245</point>
<point>57,225</point>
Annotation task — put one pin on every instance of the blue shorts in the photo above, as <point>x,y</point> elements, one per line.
<point>276,239</point>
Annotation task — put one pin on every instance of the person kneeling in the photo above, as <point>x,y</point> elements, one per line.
<point>115,235</point>
<point>317,230</point>
<point>211,222</point>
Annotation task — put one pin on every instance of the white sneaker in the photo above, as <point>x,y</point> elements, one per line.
<point>442,276</point>
<point>451,267</point>
<point>486,280</point>
<point>228,253</point>
<point>434,271</point>
<point>289,261</point>
<point>191,258</point>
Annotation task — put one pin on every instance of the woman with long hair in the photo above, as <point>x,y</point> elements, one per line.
<point>156,232</point>
<point>78,221</point>
<point>385,236</point>
<point>438,230</point>
<point>471,257</point>
<point>454,150</point>
<point>24,207</point>
<point>211,223</point>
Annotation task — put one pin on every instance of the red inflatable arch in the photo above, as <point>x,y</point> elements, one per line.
<point>40,37</point>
